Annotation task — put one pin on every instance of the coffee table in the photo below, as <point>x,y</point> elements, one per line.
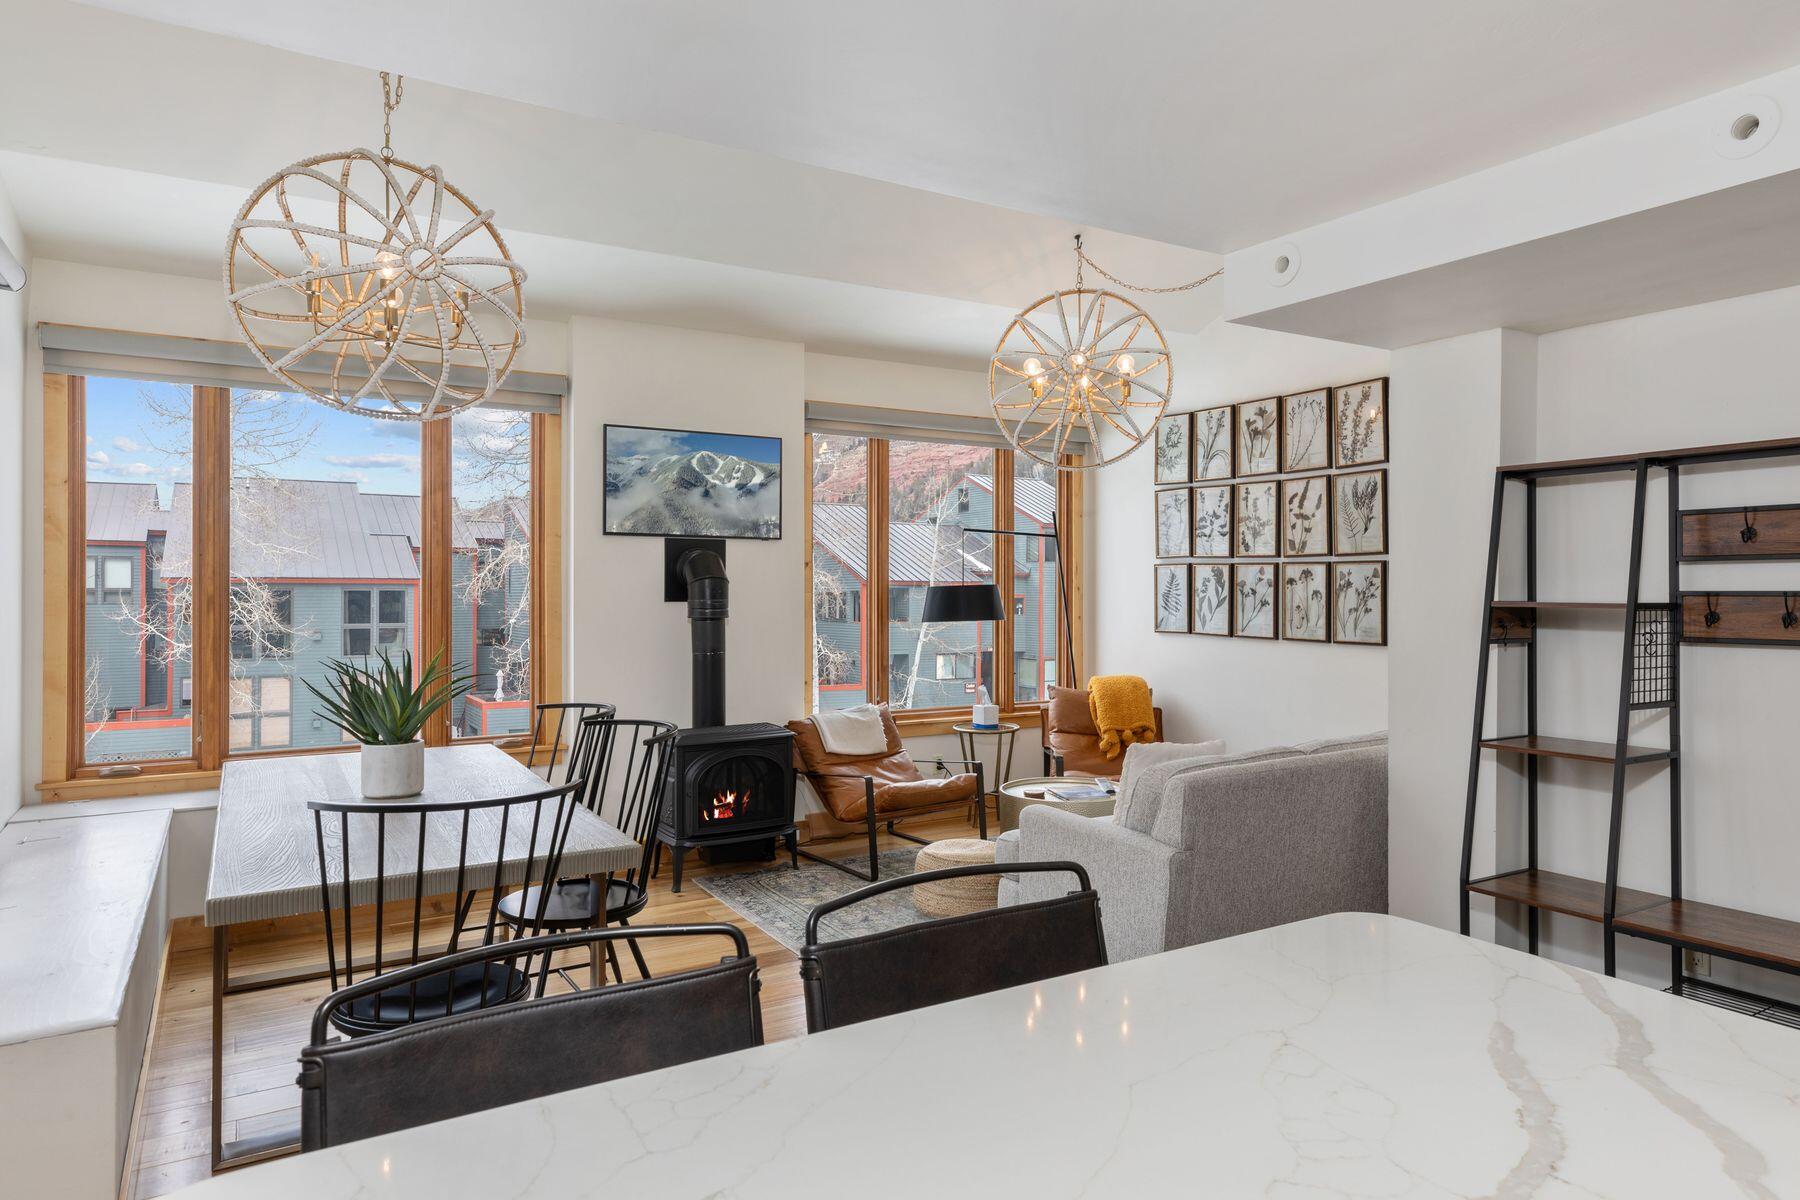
<point>1013,798</point>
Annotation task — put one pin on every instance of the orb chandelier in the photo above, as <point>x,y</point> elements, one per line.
<point>374,285</point>
<point>1077,364</point>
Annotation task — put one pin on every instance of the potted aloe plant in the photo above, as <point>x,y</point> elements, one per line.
<point>384,708</point>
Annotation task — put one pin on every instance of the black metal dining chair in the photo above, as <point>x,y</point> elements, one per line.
<point>625,763</point>
<point>557,719</point>
<point>394,853</point>
<point>359,1088</point>
<point>932,962</point>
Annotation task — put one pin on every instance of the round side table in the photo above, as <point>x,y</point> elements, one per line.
<point>1005,737</point>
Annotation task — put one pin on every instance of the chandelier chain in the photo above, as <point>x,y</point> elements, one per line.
<point>1082,257</point>
<point>393,88</point>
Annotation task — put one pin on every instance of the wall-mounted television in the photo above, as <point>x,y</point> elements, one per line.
<point>685,483</point>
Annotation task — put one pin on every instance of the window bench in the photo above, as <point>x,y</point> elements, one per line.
<point>83,919</point>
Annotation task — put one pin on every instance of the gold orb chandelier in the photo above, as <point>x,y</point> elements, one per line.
<point>1079,367</point>
<point>407,307</point>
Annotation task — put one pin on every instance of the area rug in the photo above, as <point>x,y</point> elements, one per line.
<point>777,900</point>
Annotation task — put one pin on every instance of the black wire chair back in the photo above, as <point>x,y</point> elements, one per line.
<point>560,720</point>
<point>628,777</point>
<point>393,855</point>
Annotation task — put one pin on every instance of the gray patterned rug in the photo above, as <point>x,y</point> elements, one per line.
<point>778,899</point>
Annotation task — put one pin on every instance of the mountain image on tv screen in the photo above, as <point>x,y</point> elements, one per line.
<point>681,483</point>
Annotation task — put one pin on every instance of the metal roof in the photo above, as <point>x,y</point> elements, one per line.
<point>1035,498</point>
<point>295,528</point>
<point>123,512</point>
<point>918,553</point>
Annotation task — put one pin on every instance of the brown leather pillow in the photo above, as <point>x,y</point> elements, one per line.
<point>1070,732</point>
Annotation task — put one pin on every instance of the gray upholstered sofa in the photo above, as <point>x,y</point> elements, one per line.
<point>1206,848</point>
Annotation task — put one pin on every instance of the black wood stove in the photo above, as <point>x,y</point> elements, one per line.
<point>730,791</point>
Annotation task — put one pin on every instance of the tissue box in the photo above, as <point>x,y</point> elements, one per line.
<point>986,716</point>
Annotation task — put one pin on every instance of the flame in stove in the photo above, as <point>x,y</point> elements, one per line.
<point>729,804</point>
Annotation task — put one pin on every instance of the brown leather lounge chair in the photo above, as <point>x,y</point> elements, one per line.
<point>1072,740</point>
<point>881,788</point>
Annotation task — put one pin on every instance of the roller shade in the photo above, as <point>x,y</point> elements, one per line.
<point>897,424</point>
<point>76,350</point>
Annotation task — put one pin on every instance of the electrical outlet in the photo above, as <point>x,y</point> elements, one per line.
<point>1699,963</point>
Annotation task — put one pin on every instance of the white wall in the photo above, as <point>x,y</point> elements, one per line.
<point>1712,373</point>
<point>627,646</point>
<point>13,682</point>
<point>1251,693</point>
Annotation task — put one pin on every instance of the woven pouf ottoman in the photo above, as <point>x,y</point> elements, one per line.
<point>954,897</point>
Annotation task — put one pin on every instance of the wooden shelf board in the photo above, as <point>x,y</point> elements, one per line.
<point>1598,605</point>
<point>1555,747</point>
<point>1567,894</point>
<point>1690,454</point>
<point>1712,927</point>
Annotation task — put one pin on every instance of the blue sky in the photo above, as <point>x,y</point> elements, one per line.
<point>623,441</point>
<point>128,442</point>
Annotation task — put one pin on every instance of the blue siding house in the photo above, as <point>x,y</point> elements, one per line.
<point>319,571</point>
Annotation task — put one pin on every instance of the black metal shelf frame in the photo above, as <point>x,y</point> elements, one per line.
<point>1649,677</point>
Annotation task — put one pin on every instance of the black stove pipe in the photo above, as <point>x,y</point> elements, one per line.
<point>709,603</point>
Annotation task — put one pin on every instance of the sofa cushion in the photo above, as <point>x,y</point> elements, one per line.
<point>1152,787</point>
<point>1332,745</point>
<point>838,778</point>
<point>1140,756</point>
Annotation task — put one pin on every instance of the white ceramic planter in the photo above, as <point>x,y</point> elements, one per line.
<point>390,772</point>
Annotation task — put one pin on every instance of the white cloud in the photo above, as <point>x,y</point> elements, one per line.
<point>397,462</point>
<point>125,445</point>
<point>97,458</point>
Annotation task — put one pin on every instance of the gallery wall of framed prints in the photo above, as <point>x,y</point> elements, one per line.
<point>1272,517</point>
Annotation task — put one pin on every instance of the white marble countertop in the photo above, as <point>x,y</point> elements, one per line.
<point>1350,1055</point>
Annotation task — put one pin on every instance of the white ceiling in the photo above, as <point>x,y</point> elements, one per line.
<point>887,180</point>
<point>1207,123</point>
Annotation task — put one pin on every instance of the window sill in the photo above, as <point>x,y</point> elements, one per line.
<point>172,782</point>
<point>939,721</point>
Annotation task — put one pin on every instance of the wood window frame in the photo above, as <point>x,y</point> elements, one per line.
<point>1070,498</point>
<point>67,777</point>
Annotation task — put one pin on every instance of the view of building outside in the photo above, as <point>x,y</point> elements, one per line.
<point>325,543</point>
<point>136,686</point>
<point>490,578</point>
<point>935,492</point>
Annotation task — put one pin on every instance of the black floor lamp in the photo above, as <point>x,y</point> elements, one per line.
<point>950,603</point>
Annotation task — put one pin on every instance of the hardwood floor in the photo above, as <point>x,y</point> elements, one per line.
<point>265,1030</point>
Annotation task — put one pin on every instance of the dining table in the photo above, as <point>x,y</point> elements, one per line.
<point>1347,1055</point>
<point>265,866</point>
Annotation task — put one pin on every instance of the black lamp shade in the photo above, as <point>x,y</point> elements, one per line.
<point>948,603</point>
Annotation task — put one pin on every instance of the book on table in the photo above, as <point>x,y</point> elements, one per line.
<point>1078,791</point>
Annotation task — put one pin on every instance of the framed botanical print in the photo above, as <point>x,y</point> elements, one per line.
<point>1215,443</point>
<point>1171,598</point>
<point>1360,428</point>
<point>1306,431</point>
<point>1212,599</point>
<point>1212,521</point>
<point>1253,600</point>
<point>1173,448</point>
<point>1259,437</point>
<point>1305,601</point>
<point>1255,521</point>
<point>1359,513</point>
<point>1172,528</point>
<point>1306,517</point>
<point>1359,603</point>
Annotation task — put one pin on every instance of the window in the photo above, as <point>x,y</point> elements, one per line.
<point>1037,604</point>
<point>839,481</point>
<point>490,570</point>
<point>374,621</point>
<point>930,496</point>
<point>137,464</point>
<point>261,713</point>
<point>278,534</point>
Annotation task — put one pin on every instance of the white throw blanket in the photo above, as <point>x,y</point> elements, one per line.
<point>857,731</point>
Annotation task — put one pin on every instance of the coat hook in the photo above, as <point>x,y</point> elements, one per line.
<point>1789,618</point>
<point>1748,533</point>
<point>1712,611</point>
